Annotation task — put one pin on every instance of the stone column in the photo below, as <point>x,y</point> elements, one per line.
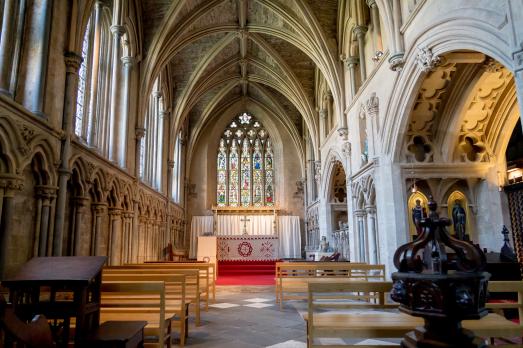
<point>93,88</point>
<point>323,124</point>
<point>372,237</point>
<point>79,212</point>
<point>6,223</point>
<point>44,24</point>
<point>135,233</point>
<point>45,195</point>
<point>7,43</point>
<point>115,115</point>
<point>127,236</point>
<point>139,133</point>
<point>518,77</point>
<point>72,63</point>
<point>115,237</point>
<point>396,59</point>
<point>97,237</point>
<point>351,64</point>
<point>330,111</point>
<point>128,63</point>
<point>360,31</point>
<point>361,241</point>
<point>375,18</point>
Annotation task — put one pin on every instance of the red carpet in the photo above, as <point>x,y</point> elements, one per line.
<point>246,272</point>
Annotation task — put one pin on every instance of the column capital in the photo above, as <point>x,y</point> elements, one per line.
<point>370,209</point>
<point>352,61</point>
<point>360,30</point>
<point>140,132</point>
<point>117,30</point>
<point>115,212</point>
<point>427,60</point>
<point>46,191</point>
<point>371,3</point>
<point>72,62</point>
<point>128,61</point>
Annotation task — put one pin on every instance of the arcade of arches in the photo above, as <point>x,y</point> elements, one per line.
<point>113,115</point>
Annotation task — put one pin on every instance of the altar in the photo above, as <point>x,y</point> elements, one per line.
<point>248,248</point>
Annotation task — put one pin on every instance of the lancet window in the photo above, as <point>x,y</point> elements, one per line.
<point>92,123</point>
<point>245,172</point>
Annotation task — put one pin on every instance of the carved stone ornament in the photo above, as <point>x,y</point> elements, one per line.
<point>343,132</point>
<point>90,170</point>
<point>317,170</point>
<point>26,132</point>
<point>372,105</point>
<point>396,62</point>
<point>427,60</point>
<point>346,149</point>
<point>443,290</point>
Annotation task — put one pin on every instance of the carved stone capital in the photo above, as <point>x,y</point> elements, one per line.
<point>352,61</point>
<point>72,62</point>
<point>139,132</point>
<point>371,3</point>
<point>396,61</point>
<point>128,61</point>
<point>360,30</point>
<point>426,60</point>
<point>117,30</point>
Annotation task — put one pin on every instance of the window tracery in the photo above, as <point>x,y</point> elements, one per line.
<point>245,173</point>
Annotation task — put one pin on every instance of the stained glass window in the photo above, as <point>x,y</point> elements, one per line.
<point>233,175</point>
<point>222,176</point>
<point>257,172</point>
<point>245,172</point>
<point>269,175</point>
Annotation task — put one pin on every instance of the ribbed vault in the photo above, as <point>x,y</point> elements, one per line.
<point>219,52</point>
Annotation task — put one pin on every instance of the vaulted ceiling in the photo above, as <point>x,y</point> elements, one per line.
<point>218,52</point>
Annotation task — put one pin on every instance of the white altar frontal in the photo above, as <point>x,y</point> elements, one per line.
<point>248,248</point>
<point>247,234</point>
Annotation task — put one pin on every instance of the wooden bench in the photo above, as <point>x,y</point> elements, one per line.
<point>207,274</point>
<point>155,313</point>
<point>292,278</point>
<point>174,297</point>
<point>193,290</point>
<point>341,320</point>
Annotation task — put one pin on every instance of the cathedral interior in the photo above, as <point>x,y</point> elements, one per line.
<point>122,122</point>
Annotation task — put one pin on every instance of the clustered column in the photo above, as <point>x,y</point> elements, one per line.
<point>80,204</point>
<point>45,199</point>
<point>115,237</point>
<point>98,247</point>
<point>351,64</point>
<point>372,237</point>
<point>361,242</point>
<point>127,239</point>
<point>8,188</point>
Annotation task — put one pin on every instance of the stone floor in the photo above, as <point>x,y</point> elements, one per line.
<point>248,317</point>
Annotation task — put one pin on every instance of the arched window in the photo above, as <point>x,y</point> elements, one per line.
<point>245,172</point>
<point>177,169</point>
<point>151,146</point>
<point>94,81</point>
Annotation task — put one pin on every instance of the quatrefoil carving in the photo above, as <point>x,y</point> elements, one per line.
<point>473,149</point>
<point>420,148</point>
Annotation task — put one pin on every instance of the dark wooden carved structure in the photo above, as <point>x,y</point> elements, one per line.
<point>61,288</point>
<point>442,290</point>
<point>515,202</point>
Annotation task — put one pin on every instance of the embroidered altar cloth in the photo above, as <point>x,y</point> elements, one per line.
<point>248,248</point>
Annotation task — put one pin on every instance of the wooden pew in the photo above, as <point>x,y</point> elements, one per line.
<point>338,322</point>
<point>193,290</point>
<point>292,278</point>
<point>207,273</point>
<point>174,297</point>
<point>155,312</point>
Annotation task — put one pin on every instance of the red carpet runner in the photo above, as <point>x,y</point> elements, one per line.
<point>246,272</point>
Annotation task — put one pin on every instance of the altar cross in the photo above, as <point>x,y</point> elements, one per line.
<point>245,220</point>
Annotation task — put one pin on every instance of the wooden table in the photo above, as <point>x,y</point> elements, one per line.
<point>61,288</point>
<point>117,334</point>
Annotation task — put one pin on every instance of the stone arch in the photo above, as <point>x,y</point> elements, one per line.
<point>477,36</point>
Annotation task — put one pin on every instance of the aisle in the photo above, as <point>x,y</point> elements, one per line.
<point>248,317</point>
